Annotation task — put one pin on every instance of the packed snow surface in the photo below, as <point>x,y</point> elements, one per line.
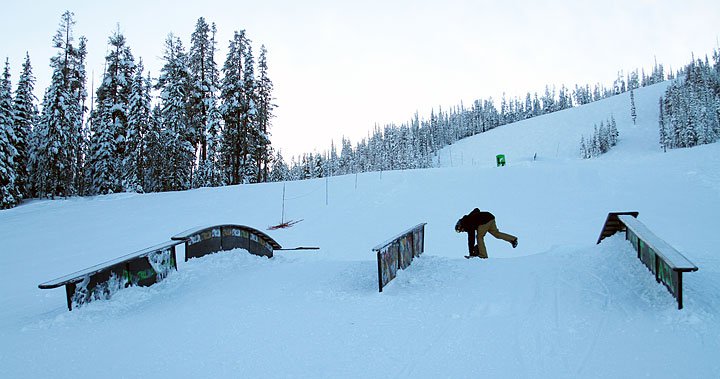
<point>557,306</point>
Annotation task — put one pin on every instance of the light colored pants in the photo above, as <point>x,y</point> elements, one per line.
<point>491,228</point>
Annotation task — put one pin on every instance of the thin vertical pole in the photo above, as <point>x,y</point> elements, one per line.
<point>282,216</point>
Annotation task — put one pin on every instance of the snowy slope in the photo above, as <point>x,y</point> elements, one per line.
<point>557,136</point>
<point>557,306</point>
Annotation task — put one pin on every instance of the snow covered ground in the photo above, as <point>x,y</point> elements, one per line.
<point>558,306</point>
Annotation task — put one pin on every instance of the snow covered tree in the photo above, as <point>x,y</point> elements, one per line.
<point>239,111</point>
<point>265,109</point>
<point>633,80</point>
<point>548,101</point>
<point>177,136</point>
<point>582,94</point>
<point>155,156</point>
<point>134,162</point>
<point>280,170</point>
<point>584,151</point>
<point>613,132</point>
<point>619,84</point>
<point>633,110</point>
<point>9,193</point>
<point>203,111</point>
<point>347,158</point>
<point>58,138</point>
<point>691,107</point>
<point>78,82</point>
<point>102,172</point>
<point>331,161</point>
<point>664,140</point>
<point>602,140</point>
<point>26,114</point>
<point>110,120</point>
<point>564,99</point>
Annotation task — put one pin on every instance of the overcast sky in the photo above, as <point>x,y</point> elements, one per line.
<point>340,67</point>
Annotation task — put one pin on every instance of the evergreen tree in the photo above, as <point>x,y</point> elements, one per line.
<point>110,121</point>
<point>135,161</point>
<point>633,80</point>
<point>536,106</point>
<point>265,109</point>
<point>176,134</point>
<point>613,133</point>
<point>155,157</point>
<point>602,140</point>
<point>26,114</point>
<point>346,164</point>
<point>78,82</point>
<point>331,161</point>
<point>548,101</point>
<point>9,192</point>
<point>238,110</point>
<point>633,111</point>
<point>280,170</point>
<point>691,107</point>
<point>584,153</point>
<point>664,142</point>
<point>203,111</point>
<point>564,100</point>
<point>58,138</point>
<point>102,173</point>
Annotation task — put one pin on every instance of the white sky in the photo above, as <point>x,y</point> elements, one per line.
<point>341,67</point>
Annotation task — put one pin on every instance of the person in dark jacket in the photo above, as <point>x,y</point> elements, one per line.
<point>481,223</point>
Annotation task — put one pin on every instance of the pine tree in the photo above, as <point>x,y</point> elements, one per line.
<point>331,161</point>
<point>664,143</point>
<point>155,157</point>
<point>564,100</point>
<point>135,161</point>
<point>9,192</point>
<point>250,118</point>
<point>280,170</point>
<point>548,101</point>
<point>633,111</point>
<point>79,137</point>
<point>110,120</point>
<point>265,109</point>
<point>58,138</point>
<point>102,173</point>
<point>203,112</point>
<point>347,160</point>
<point>26,115</point>
<point>174,84</point>
<point>238,110</point>
<point>613,133</point>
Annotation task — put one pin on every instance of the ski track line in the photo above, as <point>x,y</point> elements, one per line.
<point>601,327</point>
<point>524,322</point>
<point>409,368</point>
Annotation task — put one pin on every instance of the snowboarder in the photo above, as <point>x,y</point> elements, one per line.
<point>481,223</point>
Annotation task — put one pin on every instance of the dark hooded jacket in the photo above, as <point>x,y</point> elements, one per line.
<point>470,222</point>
